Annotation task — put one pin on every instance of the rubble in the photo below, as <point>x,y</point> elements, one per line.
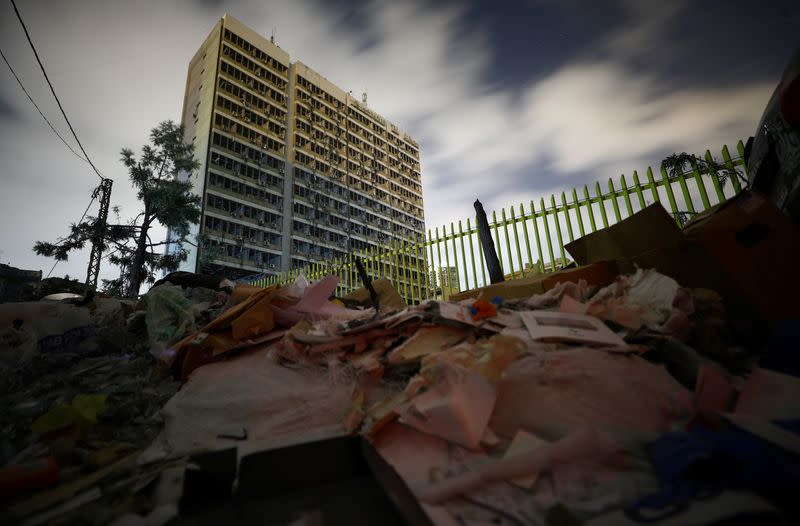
<point>587,396</point>
<point>17,284</point>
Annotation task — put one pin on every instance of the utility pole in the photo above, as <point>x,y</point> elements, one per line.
<point>104,192</point>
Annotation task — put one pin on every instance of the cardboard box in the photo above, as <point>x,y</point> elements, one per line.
<point>758,248</point>
<point>744,248</point>
<point>600,273</point>
<point>646,230</point>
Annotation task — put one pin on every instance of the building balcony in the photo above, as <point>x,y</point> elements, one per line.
<point>275,207</point>
<point>273,226</point>
<point>257,68</point>
<point>245,263</point>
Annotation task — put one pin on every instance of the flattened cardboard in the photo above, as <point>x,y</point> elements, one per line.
<point>550,326</point>
<point>600,273</point>
<point>758,248</point>
<point>649,229</point>
<point>388,297</point>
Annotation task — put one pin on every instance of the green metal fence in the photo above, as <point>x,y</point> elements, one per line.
<point>528,239</point>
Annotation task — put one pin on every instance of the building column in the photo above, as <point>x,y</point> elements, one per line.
<point>288,179</point>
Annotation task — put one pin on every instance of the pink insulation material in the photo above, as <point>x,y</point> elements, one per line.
<point>272,402</point>
<point>456,407</point>
<point>554,393</point>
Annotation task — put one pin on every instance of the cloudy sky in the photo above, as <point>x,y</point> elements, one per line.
<point>510,100</point>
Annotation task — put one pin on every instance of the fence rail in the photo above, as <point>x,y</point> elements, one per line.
<point>441,263</point>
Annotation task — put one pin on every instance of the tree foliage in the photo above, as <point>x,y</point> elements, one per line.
<point>160,177</point>
<point>683,163</point>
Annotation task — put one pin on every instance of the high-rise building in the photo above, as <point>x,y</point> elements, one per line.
<point>293,169</point>
<point>448,281</point>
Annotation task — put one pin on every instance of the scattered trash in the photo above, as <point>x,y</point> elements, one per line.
<point>168,316</point>
<point>82,413</point>
<point>613,392</point>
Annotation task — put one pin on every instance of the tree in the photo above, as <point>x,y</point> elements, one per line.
<point>160,177</point>
<point>683,163</point>
<point>208,251</point>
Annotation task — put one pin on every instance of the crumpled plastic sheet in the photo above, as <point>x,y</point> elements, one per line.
<point>274,404</point>
<point>169,316</point>
<point>589,488</point>
<point>645,298</point>
<point>579,291</point>
<point>585,444</point>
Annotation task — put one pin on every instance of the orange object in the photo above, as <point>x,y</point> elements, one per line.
<point>482,309</point>
<point>21,478</point>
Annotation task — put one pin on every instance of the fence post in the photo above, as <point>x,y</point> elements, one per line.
<point>600,200</point>
<point>480,251</point>
<point>342,275</point>
<point>383,260</point>
<point>536,235</point>
<point>472,255</point>
<point>715,177</point>
<point>431,266</point>
<point>614,203</point>
<point>740,149</point>
<point>455,253</point>
<point>566,213</point>
<point>416,265</point>
<point>578,214</point>
<point>497,246</point>
<point>396,254</point>
<point>524,220</point>
<point>698,179</point>
<point>558,231</point>
<point>685,189</point>
<point>463,255</point>
<point>406,273</point>
<point>439,258</point>
<point>547,235</point>
<point>653,189</point>
<point>638,187</point>
<point>592,222</point>
<point>668,187</point>
<point>508,243</point>
<point>516,241</point>
<point>726,156</point>
<point>447,263</point>
<point>625,195</point>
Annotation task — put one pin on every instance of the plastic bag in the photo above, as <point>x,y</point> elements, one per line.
<point>169,316</point>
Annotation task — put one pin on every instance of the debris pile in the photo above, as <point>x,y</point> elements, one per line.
<point>614,392</point>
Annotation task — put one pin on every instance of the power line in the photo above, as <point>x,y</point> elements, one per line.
<point>94,196</point>
<point>39,109</point>
<point>52,89</point>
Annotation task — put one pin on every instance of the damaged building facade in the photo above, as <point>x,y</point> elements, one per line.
<point>293,170</point>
